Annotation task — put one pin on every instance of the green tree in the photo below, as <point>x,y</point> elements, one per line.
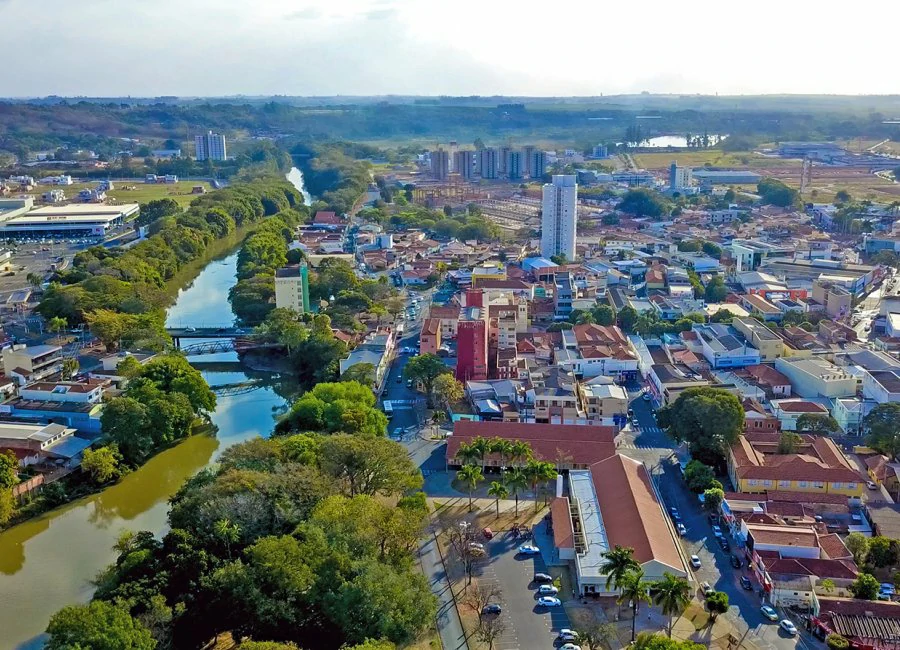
<point>516,481</point>
<point>109,326</point>
<point>713,498</point>
<point>627,318</point>
<point>172,373</point>
<point>604,315</point>
<point>634,589</point>
<point>777,193</point>
<point>672,594</point>
<point>57,324</point>
<point>228,532</point>
<point>98,626</point>
<point>157,209</point>
<point>698,477</point>
<point>538,473</point>
<point>596,635</point>
<point>470,476</point>
<point>882,426</point>
<point>9,469</point>
<point>882,551</point>
<point>498,491</point>
<point>858,545</point>
<point>650,641</point>
<point>363,373</point>
<point>35,280</point>
<point>447,391</point>
<point>716,291</point>
<point>837,642</point>
<point>424,369</point>
<point>709,420</point>
<point>616,564</point>
<point>789,442</point>
<point>817,424</point>
<point>717,603</point>
<point>842,196</point>
<point>126,423</point>
<point>865,587</point>
<point>102,464</point>
<point>642,202</point>
<point>368,465</point>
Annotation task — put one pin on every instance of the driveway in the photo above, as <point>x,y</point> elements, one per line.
<point>528,625</point>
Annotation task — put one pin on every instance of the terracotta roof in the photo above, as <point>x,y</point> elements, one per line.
<point>445,311</point>
<point>784,535</point>
<point>801,406</point>
<point>807,497</point>
<point>326,217</point>
<point>767,375</point>
<point>593,334</point>
<point>563,535</point>
<point>811,567</point>
<point>818,459</point>
<point>581,443</point>
<point>833,546</point>
<point>631,514</point>
<point>503,284</point>
<point>431,326</point>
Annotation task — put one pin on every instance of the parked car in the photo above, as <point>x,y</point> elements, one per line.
<point>746,584</point>
<point>769,613</point>
<point>567,635</point>
<point>491,608</point>
<point>695,561</point>
<point>569,646</point>
<point>529,549</point>
<point>488,533</point>
<point>888,588</point>
<point>735,561</point>
<point>477,546</point>
<point>543,577</point>
<point>788,627</point>
<point>647,397</point>
<point>716,531</point>
<point>549,601</point>
<point>871,485</point>
<point>724,543</point>
<point>548,590</point>
<point>681,529</point>
<point>706,588</point>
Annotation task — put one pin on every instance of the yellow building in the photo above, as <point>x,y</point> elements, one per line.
<point>488,271</point>
<point>769,344</point>
<point>816,465</point>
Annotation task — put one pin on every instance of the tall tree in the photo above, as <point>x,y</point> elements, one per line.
<point>672,594</point>
<point>99,626</point>
<point>498,491</point>
<point>424,369</point>
<point>616,563</point>
<point>818,424</point>
<point>717,603</point>
<point>516,481</point>
<point>470,476</point>
<point>634,589</point>
<point>708,419</point>
<point>539,472</point>
<point>882,426</point>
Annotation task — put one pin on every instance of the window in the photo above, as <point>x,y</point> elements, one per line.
<point>752,481</point>
<point>819,484</point>
<point>851,486</point>
<point>804,484</point>
<point>767,483</point>
<point>784,484</point>
<point>837,485</point>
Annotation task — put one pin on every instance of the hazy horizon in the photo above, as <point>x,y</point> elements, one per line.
<point>207,48</point>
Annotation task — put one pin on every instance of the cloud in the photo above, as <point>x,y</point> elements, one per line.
<point>309,13</point>
<point>381,14</point>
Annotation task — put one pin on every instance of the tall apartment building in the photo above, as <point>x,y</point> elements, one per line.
<point>464,164</point>
<point>440,164</point>
<point>514,164</point>
<point>527,159</point>
<point>472,345</point>
<point>488,163</point>
<point>680,177</point>
<point>209,147</point>
<point>292,288</point>
<point>502,160</point>
<point>537,165</point>
<point>559,217</point>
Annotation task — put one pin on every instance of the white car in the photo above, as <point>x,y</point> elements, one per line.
<point>549,601</point>
<point>871,485</point>
<point>528,549</point>
<point>706,588</point>
<point>769,613</point>
<point>788,627</point>
<point>681,529</point>
<point>547,590</point>
<point>717,532</point>
<point>476,545</point>
<point>695,561</point>
<point>569,646</point>
<point>566,635</point>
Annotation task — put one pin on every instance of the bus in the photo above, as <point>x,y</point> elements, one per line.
<point>388,408</point>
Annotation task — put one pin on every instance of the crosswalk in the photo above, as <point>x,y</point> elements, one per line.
<point>631,445</point>
<point>650,429</point>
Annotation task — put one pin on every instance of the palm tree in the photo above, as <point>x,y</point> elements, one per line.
<point>228,532</point>
<point>633,588</point>
<point>499,491</point>
<point>672,594</point>
<point>470,475</point>
<point>516,481</point>
<point>481,446</point>
<point>502,448</point>
<point>521,451</point>
<point>538,471</point>
<point>467,453</point>
<point>618,562</point>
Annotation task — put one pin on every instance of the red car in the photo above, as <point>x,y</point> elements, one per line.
<point>488,533</point>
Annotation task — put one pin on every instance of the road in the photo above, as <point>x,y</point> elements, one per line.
<point>450,628</point>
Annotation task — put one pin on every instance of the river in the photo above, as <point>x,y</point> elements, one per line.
<point>48,562</point>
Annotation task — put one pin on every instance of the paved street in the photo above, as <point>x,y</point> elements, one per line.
<point>449,626</point>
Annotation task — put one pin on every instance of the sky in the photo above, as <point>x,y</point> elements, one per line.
<point>436,47</point>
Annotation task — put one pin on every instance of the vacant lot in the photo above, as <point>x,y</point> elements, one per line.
<point>133,192</point>
<point>712,157</point>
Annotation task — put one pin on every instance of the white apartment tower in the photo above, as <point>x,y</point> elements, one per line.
<point>559,217</point>
<point>210,146</point>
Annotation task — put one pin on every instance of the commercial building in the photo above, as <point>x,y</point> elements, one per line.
<point>440,164</point>
<point>613,503</point>
<point>749,254</point>
<point>464,164</point>
<point>210,146</point>
<point>726,177</point>
<point>36,444</point>
<point>27,364</point>
<point>559,219</point>
<point>292,288</point>
<point>376,349</point>
<point>722,348</point>
<point>472,345</point>
<point>769,344</point>
<point>82,220</point>
<point>603,401</point>
<point>817,377</point>
<point>488,164</point>
<point>430,337</point>
<point>836,300</point>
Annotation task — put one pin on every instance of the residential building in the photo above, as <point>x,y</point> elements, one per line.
<point>817,377</point>
<point>559,218</point>
<point>788,411</point>
<point>488,163</point>
<point>537,164</point>
<point>774,383</point>
<point>440,164</point>
<point>604,351</point>
<point>472,345</point>
<point>680,177</point>
<point>568,446</point>
<point>50,445</point>
<point>882,386</point>
<point>723,348</point>
<point>292,288</point>
<point>759,306</point>
<point>515,165</point>
<point>553,392</point>
<point>834,298</point>
<point>430,337</point>
<point>757,419</point>
<point>613,503</point>
<point>769,344</point>
<point>603,400</point>
<point>667,381</point>
<point>375,349</point>
<point>28,364</point>
<point>448,315</point>
<point>210,147</point>
<point>563,294</point>
<point>817,465</point>
<point>464,164</point>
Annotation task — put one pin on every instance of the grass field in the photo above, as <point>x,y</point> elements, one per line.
<point>714,157</point>
<point>141,192</point>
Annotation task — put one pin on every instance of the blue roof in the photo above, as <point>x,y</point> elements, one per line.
<point>68,447</point>
<point>532,263</point>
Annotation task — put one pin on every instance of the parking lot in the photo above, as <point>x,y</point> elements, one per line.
<point>528,625</point>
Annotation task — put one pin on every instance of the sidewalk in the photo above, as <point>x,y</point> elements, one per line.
<point>449,626</point>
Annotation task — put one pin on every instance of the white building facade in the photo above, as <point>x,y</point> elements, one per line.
<point>210,147</point>
<point>559,217</point>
